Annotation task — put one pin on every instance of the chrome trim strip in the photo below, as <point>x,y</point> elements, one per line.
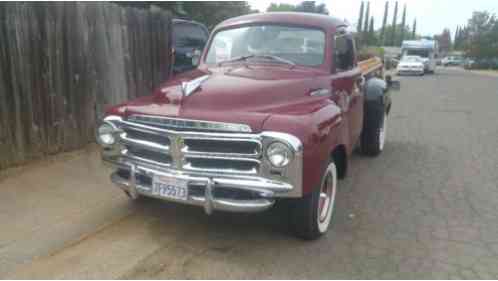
<point>190,123</point>
<point>131,156</point>
<point>188,166</point>
<point>145,144</point>
<point>256,153</point>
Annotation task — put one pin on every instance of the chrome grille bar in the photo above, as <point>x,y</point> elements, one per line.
<point>228,153</point>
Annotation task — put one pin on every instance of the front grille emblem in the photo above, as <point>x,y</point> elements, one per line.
<point>176,145</point>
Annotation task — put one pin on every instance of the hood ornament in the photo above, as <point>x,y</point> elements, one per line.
<point>191,86</point>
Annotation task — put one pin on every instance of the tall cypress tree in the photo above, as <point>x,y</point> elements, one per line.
<point>395,19</point>
<point>360,18</point>
<point>403,24</point>
<point>456,41</point>
<point>414,29</point>
<point>367,18</point>
<point>371,32</point>
<point>384,23</point>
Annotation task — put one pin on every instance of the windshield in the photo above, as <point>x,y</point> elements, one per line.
<point>411,59</point>
<point>298,45</point>
<point>417,52</point>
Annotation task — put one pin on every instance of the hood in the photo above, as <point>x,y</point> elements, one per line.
<point>237,94</point>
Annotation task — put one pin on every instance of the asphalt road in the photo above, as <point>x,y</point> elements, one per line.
<point>426,208</point>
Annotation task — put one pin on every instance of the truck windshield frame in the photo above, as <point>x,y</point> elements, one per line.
<point>301,45</point>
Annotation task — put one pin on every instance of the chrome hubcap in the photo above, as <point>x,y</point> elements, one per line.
<point>327,197</point>
<point>382,134</point>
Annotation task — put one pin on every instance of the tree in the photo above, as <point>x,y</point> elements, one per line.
<point>444,40</point>
<point>414,29</point>
<point>208,13</point>
<point>395,19</point>
<point>384,22</point>
<point>305,6</point>
<point>311,7</point>
<point>403,24</point>
<point>399,28</point>
<point>481,36</point>
<point>367,17</point>
<point>360,18</point>
<point>371,33</point>
<point>282,7</point>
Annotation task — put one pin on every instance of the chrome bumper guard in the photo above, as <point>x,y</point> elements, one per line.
<point>266,189</point>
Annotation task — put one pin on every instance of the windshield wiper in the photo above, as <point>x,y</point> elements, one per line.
<point>236,59</point>
<point>277,58</point>
<point>272,57</point>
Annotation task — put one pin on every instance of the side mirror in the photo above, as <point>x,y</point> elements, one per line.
<point>394,85</point>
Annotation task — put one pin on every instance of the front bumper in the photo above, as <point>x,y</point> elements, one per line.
<point>136,180</point>
<point>410,71</point>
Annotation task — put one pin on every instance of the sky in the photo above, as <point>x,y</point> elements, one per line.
<point>432,15</point>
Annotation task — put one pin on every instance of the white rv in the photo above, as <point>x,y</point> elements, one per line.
<point>428,50</point>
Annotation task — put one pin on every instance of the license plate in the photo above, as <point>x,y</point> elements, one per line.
<point>168,187</point>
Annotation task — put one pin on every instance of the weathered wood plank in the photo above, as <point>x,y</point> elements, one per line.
<point>62,64</point>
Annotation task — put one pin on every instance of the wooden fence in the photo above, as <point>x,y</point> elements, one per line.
<point>61,64</point>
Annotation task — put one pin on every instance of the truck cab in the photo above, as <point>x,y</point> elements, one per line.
<point>272,113</point>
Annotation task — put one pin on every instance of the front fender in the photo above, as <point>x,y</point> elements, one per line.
<point>320,131</point>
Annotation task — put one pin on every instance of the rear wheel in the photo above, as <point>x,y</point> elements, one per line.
<point>311,215</point>
<point>373,136</point>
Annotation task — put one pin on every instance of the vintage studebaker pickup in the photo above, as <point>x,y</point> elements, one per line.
<point>273,112</point>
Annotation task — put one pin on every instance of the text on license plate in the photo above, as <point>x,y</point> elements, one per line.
<point>170,188</point>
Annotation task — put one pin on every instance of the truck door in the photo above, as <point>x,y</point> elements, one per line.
<point>347,82</point>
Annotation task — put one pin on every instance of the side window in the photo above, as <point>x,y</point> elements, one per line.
<point>344,53</point>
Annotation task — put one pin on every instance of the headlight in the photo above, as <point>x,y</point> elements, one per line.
<point>279,154</point>
<point>106,134</point>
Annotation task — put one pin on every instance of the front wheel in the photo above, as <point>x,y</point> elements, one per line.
<point>311,215</point>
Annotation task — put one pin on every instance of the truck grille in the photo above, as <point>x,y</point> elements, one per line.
<point>231,153</point>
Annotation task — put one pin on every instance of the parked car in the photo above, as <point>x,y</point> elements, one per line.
<point>189,38</point>
<point>487,63</point>
<point>411,65</point>
<point>469,63</point>
<point>452,61</point>
<point>274,118</point>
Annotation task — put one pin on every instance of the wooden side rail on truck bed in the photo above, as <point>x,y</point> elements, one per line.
<point>370,65</point>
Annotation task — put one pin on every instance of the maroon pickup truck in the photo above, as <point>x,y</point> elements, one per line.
<point>273,111</point>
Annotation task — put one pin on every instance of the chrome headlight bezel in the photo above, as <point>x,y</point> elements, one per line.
<point>279,154</point>
<point>106,134</point>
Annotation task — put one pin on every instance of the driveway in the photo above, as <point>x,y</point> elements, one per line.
<point>426,208</point>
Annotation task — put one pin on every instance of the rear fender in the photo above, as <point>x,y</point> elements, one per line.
<point>376,100</point>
